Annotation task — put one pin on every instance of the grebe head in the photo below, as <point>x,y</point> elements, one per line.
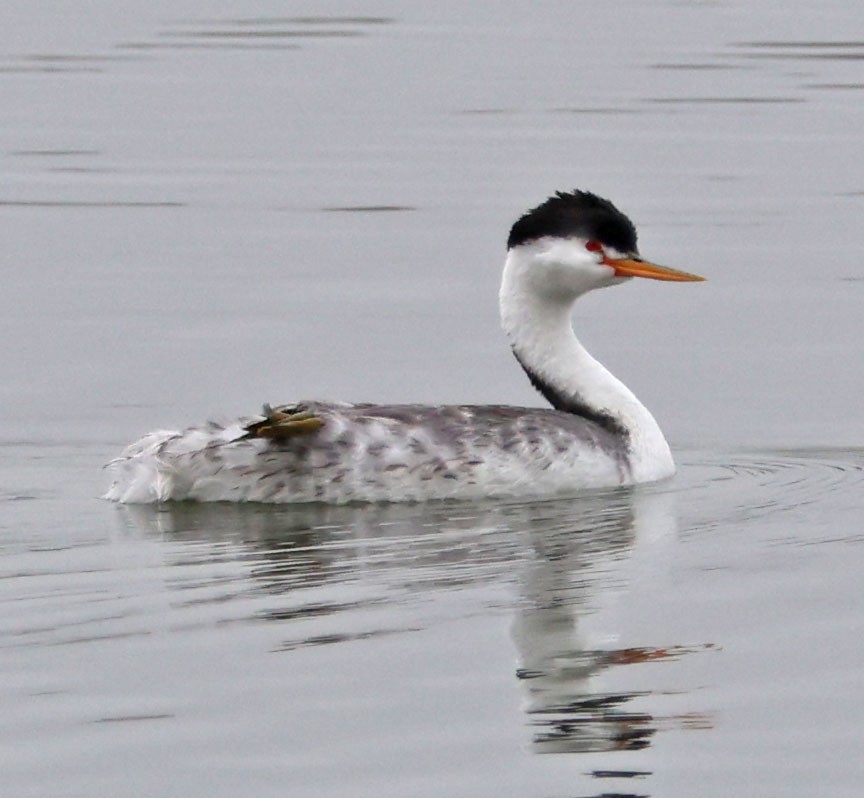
<point>575,242</point>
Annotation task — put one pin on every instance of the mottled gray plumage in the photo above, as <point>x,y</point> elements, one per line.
<point>368,452</point>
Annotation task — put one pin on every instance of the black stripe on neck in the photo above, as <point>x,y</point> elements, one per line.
<point>573,404</point>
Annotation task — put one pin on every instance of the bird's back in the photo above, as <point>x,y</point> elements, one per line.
<point>368,452</point>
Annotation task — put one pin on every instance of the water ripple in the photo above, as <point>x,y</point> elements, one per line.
<point>259,33</point>
<point>744,487</point>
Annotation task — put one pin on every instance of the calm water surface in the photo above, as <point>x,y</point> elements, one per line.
<point>206,209</point>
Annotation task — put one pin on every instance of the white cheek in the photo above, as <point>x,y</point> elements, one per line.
<point>552,280</point>
<point>563,281</point>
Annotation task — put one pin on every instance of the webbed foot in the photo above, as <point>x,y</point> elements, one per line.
<point>285,421</point>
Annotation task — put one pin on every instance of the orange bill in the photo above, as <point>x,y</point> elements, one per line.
<point>635,267</point>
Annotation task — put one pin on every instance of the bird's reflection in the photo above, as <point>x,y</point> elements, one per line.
<point>571,564</point>
<point>286,548</point>
<point>575,589</point>
<point>573,571</point>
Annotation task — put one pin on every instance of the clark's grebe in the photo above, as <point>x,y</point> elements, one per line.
<point>597,433</point>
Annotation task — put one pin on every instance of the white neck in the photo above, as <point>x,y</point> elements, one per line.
<point>535,314</point>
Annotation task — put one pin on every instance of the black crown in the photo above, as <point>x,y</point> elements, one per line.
<point>576,213</point>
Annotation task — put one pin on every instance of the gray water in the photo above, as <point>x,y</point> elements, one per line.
<point>204,208</point>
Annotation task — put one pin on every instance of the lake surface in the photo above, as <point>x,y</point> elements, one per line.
<point>206,209</point>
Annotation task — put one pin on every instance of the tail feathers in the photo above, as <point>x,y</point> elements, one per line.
<point>142,475</point>
<point>168,465</point>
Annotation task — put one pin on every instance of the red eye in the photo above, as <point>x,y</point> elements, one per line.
<point>594,246</point>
